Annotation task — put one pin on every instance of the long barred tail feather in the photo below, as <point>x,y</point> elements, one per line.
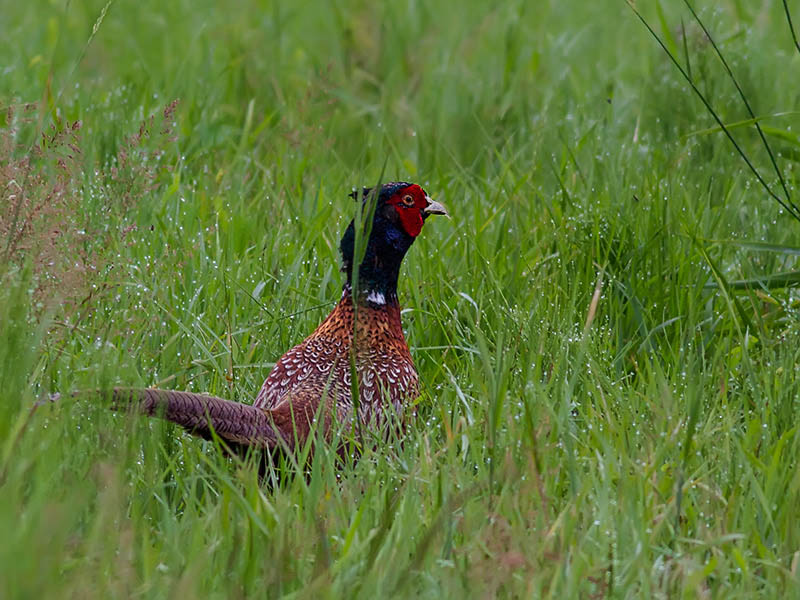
<point>234,422</point>
<point>198,413</point>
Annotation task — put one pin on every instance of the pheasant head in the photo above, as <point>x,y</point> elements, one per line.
<point>400,211</point>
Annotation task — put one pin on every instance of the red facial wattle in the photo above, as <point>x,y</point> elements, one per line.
<point>409,204</point>
<point>411,220</point>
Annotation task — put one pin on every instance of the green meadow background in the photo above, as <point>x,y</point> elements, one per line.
<point>609,362</point>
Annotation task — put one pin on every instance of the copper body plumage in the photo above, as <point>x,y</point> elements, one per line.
<point>319,370</point>
<point>310,387</point>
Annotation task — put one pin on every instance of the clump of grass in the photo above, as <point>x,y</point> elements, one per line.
<point>40,215</point>
<point>46,222</point>
<point>786,202</point>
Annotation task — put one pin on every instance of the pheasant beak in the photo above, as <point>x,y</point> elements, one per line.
<point>434,208</point>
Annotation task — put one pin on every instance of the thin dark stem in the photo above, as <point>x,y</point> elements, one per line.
<point>791,26</point>
<point>714,114</point>
<point>746,104</point>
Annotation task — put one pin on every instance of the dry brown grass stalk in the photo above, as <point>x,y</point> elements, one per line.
<point>60,215</point>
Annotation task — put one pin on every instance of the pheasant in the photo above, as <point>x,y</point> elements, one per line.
<point>311,384</point>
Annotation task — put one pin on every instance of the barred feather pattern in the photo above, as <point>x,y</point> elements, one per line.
<point>318,369</point>
<point>310,381</point>
<point>234,422</point>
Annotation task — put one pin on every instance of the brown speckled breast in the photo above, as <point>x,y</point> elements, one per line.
<point>319,367</point>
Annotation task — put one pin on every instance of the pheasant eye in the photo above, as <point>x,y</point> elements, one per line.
<point>408,200</point>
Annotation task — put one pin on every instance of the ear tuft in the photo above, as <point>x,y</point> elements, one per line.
<point>364,193</point>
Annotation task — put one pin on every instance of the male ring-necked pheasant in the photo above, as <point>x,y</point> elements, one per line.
<point>313,380</point>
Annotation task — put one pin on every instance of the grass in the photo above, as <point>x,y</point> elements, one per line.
<point>606,332</point>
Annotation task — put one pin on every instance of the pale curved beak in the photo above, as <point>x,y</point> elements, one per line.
<point>434,208</point>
